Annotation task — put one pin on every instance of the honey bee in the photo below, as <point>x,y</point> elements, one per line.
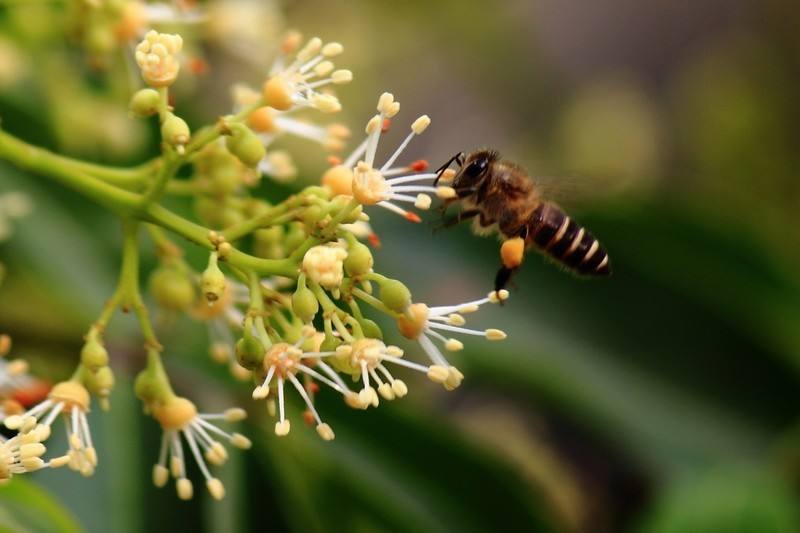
<point>503,196</point>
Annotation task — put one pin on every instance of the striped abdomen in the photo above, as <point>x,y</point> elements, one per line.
<point>554,233</point>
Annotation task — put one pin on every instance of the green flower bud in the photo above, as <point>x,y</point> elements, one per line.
<point>312,215</point>
<point>330,344</point>
<point>225,179</point>
<point>371,329</point>
<point>93,354</point>
<point>359,259</point>
<point>305,304</point>
<point>147,388</point>
<point>245,145</point>
<point>250,352</point>
<point>101,382</point>
<point>395,295</point>
<point>144,103</point>
<point>174,131</point>
<point>172,289</point>
<point>212,282</point>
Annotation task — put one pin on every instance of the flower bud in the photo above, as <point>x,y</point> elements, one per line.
<point>171,289</point>
<point>174,131</point>
<point>359,259</point>
<point>145,103</point>
<point>245,145</point>
<point>304,304</point>
<point>249,351</point>
<point>212,281</point>
<point>323,264</point>
<point>395,295</point>
<point>100,383</point>
<point>371,329</point>
<point>93,354</point>
<point>312,215</point>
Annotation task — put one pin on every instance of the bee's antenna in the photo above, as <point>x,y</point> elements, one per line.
<point>458,158</point>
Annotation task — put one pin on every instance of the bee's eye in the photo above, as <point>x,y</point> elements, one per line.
<point>476,168</point>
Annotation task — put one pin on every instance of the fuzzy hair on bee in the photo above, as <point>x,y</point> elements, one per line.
<point>499,195</point>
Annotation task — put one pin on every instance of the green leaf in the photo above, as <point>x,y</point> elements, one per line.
<point>26,508</point>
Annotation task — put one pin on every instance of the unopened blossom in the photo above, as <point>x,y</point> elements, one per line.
<point>23,452</point>
<point>71,400</point>
<point>178,416</point>
<point>385,185</point>
<point>421,323</point>
<point>295,78</point>
<point>324,264</point>
<point>285,362</point>
<point>157,58</point>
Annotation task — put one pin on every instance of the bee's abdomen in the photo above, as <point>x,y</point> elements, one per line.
<point>557,235</point>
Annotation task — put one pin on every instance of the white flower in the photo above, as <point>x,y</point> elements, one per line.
<point>284,362</point>
<point>70,399</point>
<point>178,416</point>
<point>156,57</point>
<point>421,322</point>
<point>294,84</point>
<point>323,264</point>
<point>386,185</point>
<point>23,452</point>
<point>365,359</point>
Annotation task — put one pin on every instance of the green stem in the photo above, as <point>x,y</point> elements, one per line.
<point>156,189</point>
<point>131,296</point>
<point>44,162</point>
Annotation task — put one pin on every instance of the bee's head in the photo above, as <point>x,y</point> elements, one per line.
<point>474,169</point>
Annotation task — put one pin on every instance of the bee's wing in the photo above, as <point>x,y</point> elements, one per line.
<point>573,191</point>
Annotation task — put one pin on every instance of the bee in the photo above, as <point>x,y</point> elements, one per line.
<point>503,196</point>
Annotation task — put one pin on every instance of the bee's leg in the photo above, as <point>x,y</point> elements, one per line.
<point>460,217</point>
<point>458,158</point>
<point>502,278</point>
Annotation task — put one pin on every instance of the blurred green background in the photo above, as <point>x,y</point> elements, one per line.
<point>664,399</point>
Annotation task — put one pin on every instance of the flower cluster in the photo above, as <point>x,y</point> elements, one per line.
<point>289,289</point>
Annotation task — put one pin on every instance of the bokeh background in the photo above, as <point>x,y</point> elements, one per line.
<point>664,399</point>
